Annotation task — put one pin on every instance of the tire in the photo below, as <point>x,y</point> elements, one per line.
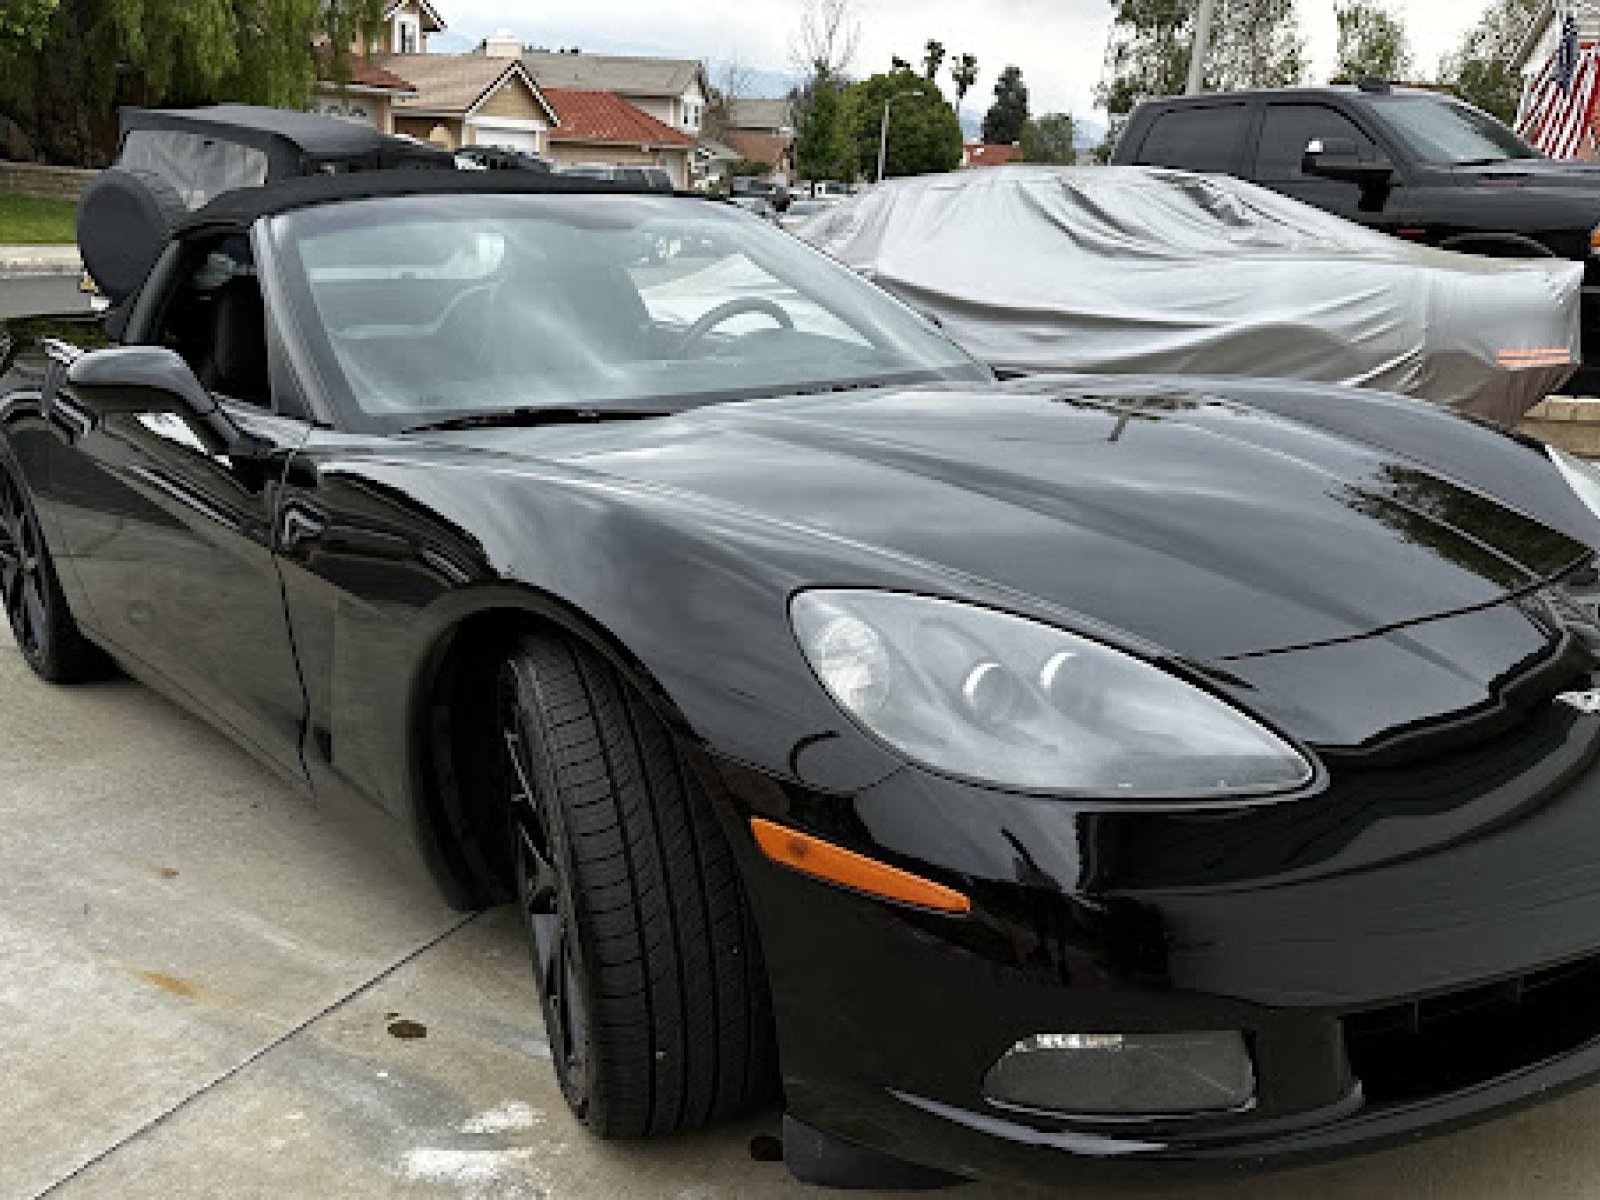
<point>644,950</point>
<point>31,596</point>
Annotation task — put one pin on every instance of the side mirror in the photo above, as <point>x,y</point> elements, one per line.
<point>143,379</point>
<point>1340,158</point>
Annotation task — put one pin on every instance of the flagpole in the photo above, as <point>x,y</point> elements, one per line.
<point>1202,45</point>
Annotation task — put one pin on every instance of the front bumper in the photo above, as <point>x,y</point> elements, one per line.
<point>1416,947</point>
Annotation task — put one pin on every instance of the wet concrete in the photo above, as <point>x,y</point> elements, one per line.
<point>211,987</point>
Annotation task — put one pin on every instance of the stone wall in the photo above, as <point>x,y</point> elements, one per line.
<point>48,183</point>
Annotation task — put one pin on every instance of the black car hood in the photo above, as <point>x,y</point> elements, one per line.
<point>1210,528</point>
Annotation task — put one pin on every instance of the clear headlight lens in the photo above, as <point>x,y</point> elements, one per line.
<point>1581,477</point>
<point>1011,702</point>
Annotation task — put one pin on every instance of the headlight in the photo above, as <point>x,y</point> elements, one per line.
<point>1008,701</point>
<point>1581,477</point>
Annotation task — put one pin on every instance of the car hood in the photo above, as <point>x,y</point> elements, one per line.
<point>1210,528</point>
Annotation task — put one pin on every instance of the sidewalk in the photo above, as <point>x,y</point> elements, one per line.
<point>19,261</point>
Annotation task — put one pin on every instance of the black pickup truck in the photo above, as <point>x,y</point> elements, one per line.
<point>1414,163</point>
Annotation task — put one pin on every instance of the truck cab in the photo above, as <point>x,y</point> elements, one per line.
<point>1414,163</point>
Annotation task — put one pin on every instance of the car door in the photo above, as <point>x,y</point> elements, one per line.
<point>172,545</point>
<point>1287,128</point>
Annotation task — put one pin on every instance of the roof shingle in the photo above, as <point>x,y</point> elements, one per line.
<point>447,83</point>
<point>622,74</point>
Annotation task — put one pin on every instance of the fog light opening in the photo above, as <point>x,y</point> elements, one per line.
<point>1126,1075</point>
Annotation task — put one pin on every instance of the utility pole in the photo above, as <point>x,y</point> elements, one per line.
<point>1202,44</point>
<point>883,135</point>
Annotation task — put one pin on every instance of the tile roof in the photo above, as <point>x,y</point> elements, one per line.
<point>624,75</point>
<point>593,116</point>
<point>364,73</point>
<point>985,154</point>
<point>770,148</point>
<point>446,83</point>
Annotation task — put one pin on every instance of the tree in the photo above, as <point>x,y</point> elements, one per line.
<point>1372,41</point>
<point>822,148</point>
<point>1003,123</point>
<point>1255,43</point>
<point>24,25</point>
<point>924,133</point>
<point>826,39</point>
<point>964,73</point>
<point>1053,138</point>
<point>932,59</point>
<point>61,82</point>
<point>1480,70</point>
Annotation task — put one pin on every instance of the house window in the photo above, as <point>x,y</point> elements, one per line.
<point>407,36</point>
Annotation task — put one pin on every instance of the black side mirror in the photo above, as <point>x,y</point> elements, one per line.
<point>143,379</point>
<point>1340,158</point>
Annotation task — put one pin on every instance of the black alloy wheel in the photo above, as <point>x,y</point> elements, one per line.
<point>22,585</point>
<point>644,949</point>
<point>31,595</point>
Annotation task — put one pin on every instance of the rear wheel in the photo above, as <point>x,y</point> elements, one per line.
<point>644,951</point>
<point>31,595</point>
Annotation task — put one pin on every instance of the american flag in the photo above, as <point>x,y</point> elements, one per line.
<point>1560,100</point>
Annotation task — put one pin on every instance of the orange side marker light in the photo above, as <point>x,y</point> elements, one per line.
<point>823,860</point>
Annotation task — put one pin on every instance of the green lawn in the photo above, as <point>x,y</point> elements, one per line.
<point>27,221</point>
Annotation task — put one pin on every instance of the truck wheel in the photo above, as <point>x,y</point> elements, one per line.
<point>31,595</point>
<point>645,954</point>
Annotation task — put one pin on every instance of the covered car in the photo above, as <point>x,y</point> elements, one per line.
<point>1118,269</point>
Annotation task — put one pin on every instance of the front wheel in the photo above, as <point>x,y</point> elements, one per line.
<point>644,951</point>
<point>31,595</point>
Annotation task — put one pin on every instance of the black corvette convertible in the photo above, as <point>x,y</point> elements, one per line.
<point>1023,777</point>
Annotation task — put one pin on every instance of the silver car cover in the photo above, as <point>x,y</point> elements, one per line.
<point>1133,269</point>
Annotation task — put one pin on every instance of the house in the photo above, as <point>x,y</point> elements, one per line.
<point>672,90</point>
<point>368,96</point>
<point>988,154</point>
<point>469,100</point>
<point>601,127</point>
<point>761,131</point>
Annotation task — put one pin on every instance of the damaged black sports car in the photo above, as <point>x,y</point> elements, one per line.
<point>1019,779</point>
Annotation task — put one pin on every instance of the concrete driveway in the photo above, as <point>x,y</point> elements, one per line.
<point>211,987</point>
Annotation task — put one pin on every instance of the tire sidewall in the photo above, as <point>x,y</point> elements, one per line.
<point>522,676</point>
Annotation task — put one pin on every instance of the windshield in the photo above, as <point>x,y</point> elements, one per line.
<point>423,308</point>
<point>1445,133</point>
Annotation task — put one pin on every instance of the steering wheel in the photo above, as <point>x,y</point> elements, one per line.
<point>726,312</point>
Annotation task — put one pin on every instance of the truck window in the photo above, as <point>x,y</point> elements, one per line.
<point>1289,127</point>
<point>1196,139</point>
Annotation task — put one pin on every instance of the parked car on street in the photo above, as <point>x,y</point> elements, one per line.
<point>801,211</point>
<point>1040,779</point>
<point>654,178</point>
<point>1414,163</point>
<point>498,158</point>
<point>776,194</point>
<point>759,205</point>
<point>1116,269</point>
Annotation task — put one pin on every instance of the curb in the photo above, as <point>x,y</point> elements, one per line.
<point>21,261</point>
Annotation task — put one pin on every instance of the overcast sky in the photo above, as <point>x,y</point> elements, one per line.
<point>1059,44</point>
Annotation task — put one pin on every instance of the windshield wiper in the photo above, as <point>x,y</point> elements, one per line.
<point>531,418</point>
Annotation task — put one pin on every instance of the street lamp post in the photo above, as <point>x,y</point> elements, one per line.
<point>883,135</point>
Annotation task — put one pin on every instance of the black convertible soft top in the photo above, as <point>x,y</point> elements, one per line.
<point>243,208</point>
<point>295,143</point>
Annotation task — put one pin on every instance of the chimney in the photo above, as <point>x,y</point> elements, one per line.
<point>503,44</point>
